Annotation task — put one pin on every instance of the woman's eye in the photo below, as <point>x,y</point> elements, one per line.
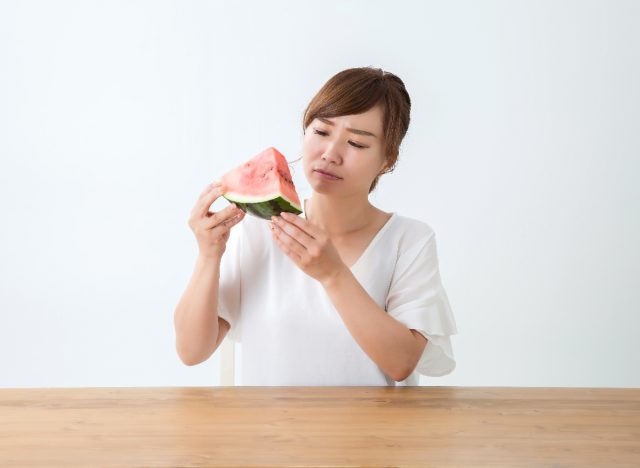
<point>352,143</point>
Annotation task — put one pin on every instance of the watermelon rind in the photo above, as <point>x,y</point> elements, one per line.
<point>263,207</point>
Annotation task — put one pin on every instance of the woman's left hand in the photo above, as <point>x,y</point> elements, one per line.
<point>308,246</point>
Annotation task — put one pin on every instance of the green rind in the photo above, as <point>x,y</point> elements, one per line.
<point>264,209</point>
<point>241,198</point>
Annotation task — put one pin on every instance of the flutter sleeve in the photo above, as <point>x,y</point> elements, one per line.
<point>418,300</point>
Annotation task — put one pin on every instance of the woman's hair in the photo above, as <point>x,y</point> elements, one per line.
<point>356,90</point>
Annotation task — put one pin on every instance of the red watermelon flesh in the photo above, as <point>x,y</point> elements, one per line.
<point>263,186</point>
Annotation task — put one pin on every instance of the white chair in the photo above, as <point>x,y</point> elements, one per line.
<point>227,363</point>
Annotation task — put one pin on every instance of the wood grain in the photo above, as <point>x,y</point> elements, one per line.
<point>319,426</point>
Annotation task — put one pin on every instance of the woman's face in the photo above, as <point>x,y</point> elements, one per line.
<point>349,147</point>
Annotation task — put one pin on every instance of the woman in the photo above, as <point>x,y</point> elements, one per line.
<point>345,294</point>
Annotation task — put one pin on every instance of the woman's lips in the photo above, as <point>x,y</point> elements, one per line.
<point>325,175</point>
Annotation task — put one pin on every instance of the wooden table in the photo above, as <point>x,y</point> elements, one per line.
<point>319,426</point>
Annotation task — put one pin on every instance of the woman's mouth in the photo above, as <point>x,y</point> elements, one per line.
<point>326,175</point>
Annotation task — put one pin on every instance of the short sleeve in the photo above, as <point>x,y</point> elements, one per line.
<point>229,292</point>
<point>418,300</point>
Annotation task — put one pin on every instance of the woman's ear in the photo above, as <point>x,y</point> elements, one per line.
<point>385,167</point>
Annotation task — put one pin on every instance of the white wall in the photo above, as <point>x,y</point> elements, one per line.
<point>522,155</point>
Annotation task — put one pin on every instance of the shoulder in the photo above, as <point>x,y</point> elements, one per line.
<point>409,232</point>
<point>415,246</point>
<point>416,226</point>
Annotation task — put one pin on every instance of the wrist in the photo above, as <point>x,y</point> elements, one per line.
<point>335,278</point>
<point>205,262</point>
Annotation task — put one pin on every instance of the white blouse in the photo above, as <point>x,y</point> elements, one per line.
<point>291,333</point>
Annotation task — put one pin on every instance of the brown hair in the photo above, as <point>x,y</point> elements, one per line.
<point>356,90</point>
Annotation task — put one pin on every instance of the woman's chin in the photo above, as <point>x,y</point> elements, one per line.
<point>323,188</point>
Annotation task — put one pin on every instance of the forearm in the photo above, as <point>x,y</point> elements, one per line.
<point>196,316</point>
<point>389,343</point>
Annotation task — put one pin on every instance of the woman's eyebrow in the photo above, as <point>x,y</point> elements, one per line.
<point>352,130</point>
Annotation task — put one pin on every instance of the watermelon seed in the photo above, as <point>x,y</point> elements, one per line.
<point>284,176</point>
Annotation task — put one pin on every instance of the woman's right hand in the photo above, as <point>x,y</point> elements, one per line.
<point>212,229</point>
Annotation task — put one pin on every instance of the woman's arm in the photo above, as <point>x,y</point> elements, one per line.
<point>391,345</point>
<point>196,317</point>
<point>199,331</point>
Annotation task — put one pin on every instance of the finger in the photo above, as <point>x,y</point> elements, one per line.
<point>223,229</point>
<point>302,224</point>
<point>294,231</point>
<point>214,219</point>
<point>203,205</point>
<point>209,187</point>
<point>284,247</point>
<point>292,243</point>
<point>205,190</point>
<point>197,208</point>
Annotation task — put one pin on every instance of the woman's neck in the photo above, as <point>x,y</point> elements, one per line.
<point>339,217</point>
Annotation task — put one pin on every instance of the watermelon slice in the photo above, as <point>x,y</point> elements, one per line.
<point>262,186</point>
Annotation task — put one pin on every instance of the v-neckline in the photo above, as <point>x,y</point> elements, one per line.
<point>371,243</point>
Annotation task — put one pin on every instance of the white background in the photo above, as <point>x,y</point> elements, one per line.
<point>522,154</point>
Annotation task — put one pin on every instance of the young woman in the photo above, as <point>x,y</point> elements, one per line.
<point>345,294</point>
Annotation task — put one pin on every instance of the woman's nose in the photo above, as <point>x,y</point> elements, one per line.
<point>331,154</point>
